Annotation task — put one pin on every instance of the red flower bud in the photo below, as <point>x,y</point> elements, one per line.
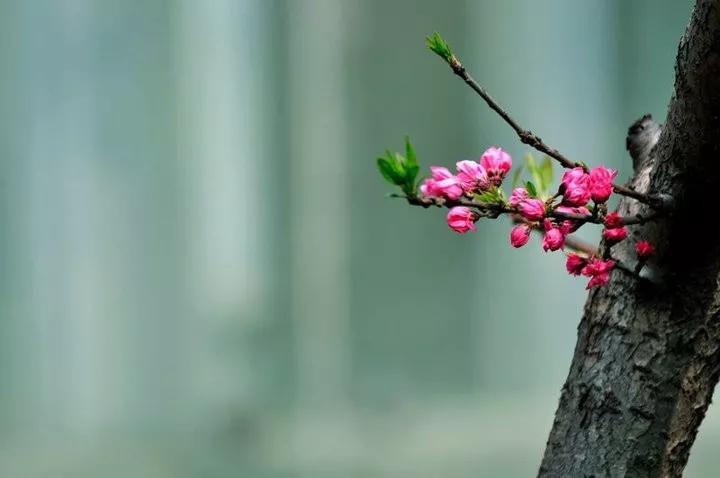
<point>615,235</point>
<point>644,250</point>
<point>532,209</point>
<point>520,235</point>
<point>575,264</point>
<point>613,220</point>
<point>601,186</point>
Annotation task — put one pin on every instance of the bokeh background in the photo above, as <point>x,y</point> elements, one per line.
<point>200,275</point>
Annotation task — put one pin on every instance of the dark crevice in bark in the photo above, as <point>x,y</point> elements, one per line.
<point>648,357</point>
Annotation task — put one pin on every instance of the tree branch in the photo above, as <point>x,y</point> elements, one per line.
<point>571,242</point>
<point>531,139</point>
<point>494,210</point>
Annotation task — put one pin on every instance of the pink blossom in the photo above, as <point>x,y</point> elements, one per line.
<point>497,163</point>
<point>520,235</point>
<point>461,219</point>
<point>517,195</point>
<point>644,250</point>
<point>472,176</point>
<point>575,264</point>
<point>442,184</point>
<point>599,271</point>
<point>597,266</point>
<point>575,187</point>
<point>615,235</point>
<point>429,188</point>
<point>601,179</point>
<point>554,238</point>
<point>449,188</point>
<point>577,193</point>
<point>598,280</point>
<point>613,220</point>
<point>573,175</point>
<point>440,172</point>
<point>532,209</point>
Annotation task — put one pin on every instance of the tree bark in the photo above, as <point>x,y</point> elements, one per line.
<point>648,355</point>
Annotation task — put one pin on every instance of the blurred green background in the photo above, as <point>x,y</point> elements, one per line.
<point>200,275</point>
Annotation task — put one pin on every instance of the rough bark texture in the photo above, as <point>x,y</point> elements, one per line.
<point>648,356</point>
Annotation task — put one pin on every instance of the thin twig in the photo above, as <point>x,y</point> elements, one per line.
<point>494,210</point>
<point>526,136</point>
<point>579,245</point>
<point>641,218</point>
<point>531,139</point>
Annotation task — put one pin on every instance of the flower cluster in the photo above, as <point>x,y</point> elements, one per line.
<point>597,269</point>
<point>475,191</point>
<point>472,177</point>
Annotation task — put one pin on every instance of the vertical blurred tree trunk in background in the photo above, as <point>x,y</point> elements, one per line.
<point>648,357</point>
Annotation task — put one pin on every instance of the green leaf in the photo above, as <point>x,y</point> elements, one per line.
<point>532,192</point>
<point>386,170</point>
<point>546,173</point>
<point>491,196</point>
<point>399,161</point>
<point>436,43</point>
<point>410,151</point>
<point>389,172</point>
<point>399,170</point>
<point>411,164</point>
<point>516,177</point>
<point>488,197</point>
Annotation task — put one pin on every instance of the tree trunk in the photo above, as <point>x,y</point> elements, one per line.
<point>648,355</point>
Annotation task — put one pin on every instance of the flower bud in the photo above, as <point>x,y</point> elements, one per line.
<point>598,280</point>
<point>554,238</point>
<point>615,235</point>
<point>532,209</point>
<point>599,271</point>
<point>576,194</point>
<point>517,195</point>
<point>442,184</point>
<point>497,163</point>
<point>573,175</point>
<point>472,176</point>
<point>601,183</point>
<point>613,220</point>
<point>575,187</point>
<point>462,219</point>
<point>597,266</point>
<point>644,250</point>
<point>520,235</point>
<point>575,264</point>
